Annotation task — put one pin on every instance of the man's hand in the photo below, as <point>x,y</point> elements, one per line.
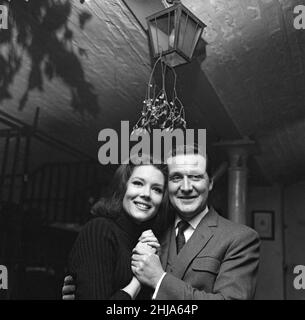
<point>69,288</point>
<point>150,239</point>
<point>146,265</point>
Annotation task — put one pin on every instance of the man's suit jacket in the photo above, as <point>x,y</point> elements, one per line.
<point>219,261</point>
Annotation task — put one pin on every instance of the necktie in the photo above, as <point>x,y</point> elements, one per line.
<point>180,239</point>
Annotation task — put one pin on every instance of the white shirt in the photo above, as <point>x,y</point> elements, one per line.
<point>193,223</point>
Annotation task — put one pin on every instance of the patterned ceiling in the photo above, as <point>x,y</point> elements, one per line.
<point>86,67</point>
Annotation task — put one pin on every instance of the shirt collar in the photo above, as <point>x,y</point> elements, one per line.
<point>195,221</point>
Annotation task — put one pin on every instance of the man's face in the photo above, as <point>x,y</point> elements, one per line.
<point>188,184</point>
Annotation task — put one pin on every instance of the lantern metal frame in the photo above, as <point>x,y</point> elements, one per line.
<point>178,9</point>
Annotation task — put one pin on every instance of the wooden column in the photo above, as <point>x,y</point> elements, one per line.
<point>238,152</point>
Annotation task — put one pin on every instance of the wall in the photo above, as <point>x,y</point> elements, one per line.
<point>271,279</point>
<point>294,204</point>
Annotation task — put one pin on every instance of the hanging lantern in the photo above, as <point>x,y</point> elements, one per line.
<point>174,33</point>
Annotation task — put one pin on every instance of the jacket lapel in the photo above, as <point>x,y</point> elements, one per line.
<point>199,239</point>
<point>165,245</point>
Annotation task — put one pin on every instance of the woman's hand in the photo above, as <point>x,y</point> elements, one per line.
<point>69,288</point>
<point>150,239</point>
<point>133,287</point>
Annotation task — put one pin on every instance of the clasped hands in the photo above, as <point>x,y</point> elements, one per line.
<point>145,263</point>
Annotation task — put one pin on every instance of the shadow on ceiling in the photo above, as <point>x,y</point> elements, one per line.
<point>40,30</point>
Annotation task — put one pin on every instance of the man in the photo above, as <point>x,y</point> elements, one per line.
<point>203,255</point>
<point>219,259</point>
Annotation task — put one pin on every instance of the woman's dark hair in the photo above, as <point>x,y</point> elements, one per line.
<point>112,204</point>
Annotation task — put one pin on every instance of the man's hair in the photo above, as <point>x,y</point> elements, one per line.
<point>190,149</point>
<point>111,205</point>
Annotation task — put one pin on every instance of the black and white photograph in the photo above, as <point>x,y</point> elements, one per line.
<point>152,150</point>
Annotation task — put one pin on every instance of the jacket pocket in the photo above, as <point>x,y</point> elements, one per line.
<point>208,264</point>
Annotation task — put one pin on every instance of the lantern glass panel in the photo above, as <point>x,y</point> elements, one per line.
<point>163,32</point>
<point>189,33</point>
<point>174,59</point>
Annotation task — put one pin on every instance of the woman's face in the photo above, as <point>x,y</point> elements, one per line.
<point>144,193</point>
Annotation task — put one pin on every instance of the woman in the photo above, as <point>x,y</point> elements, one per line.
<point>100,260</point>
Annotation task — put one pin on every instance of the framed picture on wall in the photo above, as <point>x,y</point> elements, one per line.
<point>263,223</point>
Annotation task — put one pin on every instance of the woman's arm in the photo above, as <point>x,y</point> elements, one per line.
<point>93,260</point>
<point>133,288</point>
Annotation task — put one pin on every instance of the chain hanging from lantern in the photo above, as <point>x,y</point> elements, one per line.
<point>159,110</point>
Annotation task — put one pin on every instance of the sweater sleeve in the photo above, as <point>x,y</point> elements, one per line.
<point>92,261</point>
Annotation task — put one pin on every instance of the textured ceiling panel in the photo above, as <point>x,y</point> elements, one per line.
<point>256,64</point>
<point>82,65</point>
<point>86,67</point>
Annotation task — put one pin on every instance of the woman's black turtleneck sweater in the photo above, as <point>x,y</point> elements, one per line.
<point>100,259</point>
